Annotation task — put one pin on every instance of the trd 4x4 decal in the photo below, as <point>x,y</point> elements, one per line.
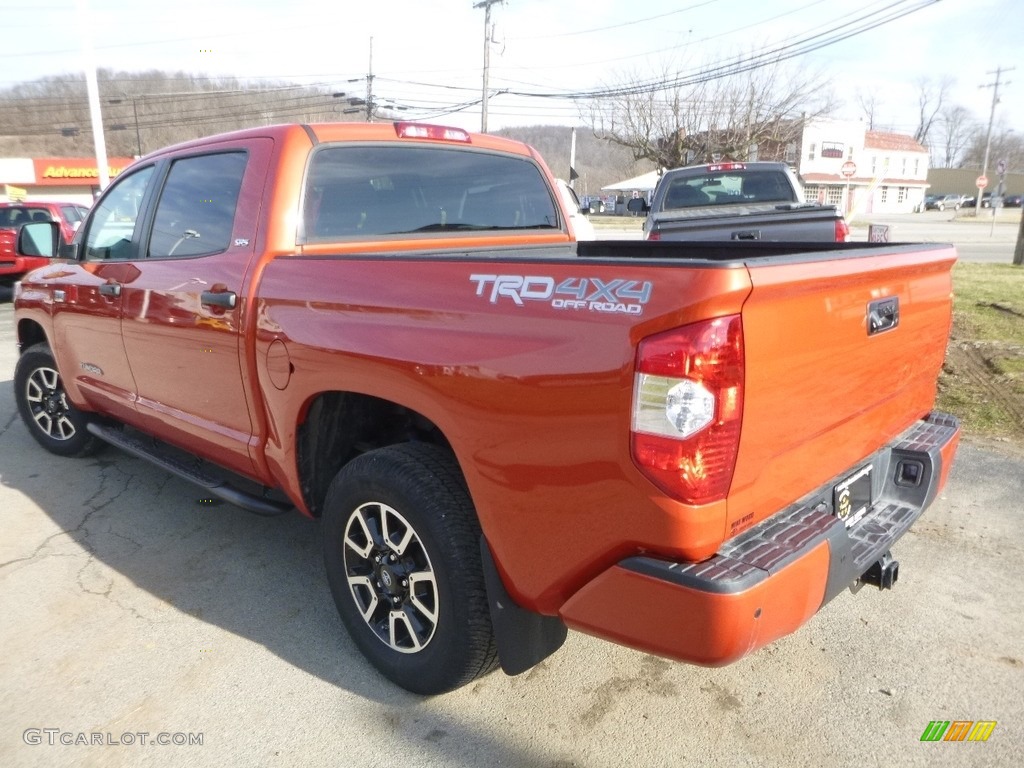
<point>577,293</point>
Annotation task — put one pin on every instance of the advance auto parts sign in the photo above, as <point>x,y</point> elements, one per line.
<point>74,171</point>
<point>590,294</point>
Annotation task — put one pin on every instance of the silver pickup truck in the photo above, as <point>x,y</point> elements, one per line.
<point>737,201</point>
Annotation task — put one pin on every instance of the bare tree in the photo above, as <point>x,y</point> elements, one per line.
<point>710,117</point>
<point>956,124</point>
<point>930,99</point>
<point>1006,145</point>
<point>868,103</point>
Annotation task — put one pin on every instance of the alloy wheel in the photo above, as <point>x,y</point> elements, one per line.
<point>48,404</point>
<point>390,577</point>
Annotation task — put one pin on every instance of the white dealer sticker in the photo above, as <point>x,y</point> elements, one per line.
<point>590,294</point>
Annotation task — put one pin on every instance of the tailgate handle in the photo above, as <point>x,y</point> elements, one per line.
<point>110,289</point>
<point>750,234</point>
<point>883,315</point>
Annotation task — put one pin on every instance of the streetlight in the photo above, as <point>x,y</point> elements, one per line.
<point>356,105</point>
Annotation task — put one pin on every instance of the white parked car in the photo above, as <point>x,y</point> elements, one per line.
<point>580,223</point>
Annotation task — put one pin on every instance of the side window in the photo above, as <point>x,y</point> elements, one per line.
<point>114,222</point>
<point>196,210</point>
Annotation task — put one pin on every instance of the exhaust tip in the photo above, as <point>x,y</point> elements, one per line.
<point>882,574</point>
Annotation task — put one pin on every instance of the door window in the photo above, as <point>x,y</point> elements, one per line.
<point>114,223</point>
<point>196,212</point>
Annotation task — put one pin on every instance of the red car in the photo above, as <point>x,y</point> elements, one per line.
<point>13,215</point>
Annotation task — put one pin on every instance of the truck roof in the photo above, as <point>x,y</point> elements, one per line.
<point>390,131</point>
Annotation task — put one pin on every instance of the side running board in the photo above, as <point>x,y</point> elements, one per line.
<point>251,502</point>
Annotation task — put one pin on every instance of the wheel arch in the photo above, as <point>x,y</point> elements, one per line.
<point>336,426</point>
<point>30,333</point>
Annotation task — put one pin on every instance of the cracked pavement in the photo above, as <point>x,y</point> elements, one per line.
<point>127,607</point>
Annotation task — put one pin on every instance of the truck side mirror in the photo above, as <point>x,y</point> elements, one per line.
<point>39,238</point>
<point>637,205</point>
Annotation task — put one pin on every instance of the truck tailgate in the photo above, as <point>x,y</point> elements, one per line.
<point>737,222</point>
<point>841,356</point>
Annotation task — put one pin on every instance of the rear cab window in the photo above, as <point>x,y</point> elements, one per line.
<point>733,187</point>
<point>16,215</point>
<point>375,191</point>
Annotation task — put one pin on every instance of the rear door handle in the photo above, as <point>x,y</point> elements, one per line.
<point>752,234</point>
<point>222,299</point>
<point>110,289</point>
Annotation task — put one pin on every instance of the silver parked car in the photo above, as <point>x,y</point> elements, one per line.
<point>942,202</point>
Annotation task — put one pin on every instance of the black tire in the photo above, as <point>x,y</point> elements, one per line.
<point>51,418</point>
<point>402,550</point>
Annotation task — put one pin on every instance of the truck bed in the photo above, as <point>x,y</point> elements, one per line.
<point>447,341</point>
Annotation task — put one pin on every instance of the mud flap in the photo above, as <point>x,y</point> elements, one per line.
<point>524,638</point>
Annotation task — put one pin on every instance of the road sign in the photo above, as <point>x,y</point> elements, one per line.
<point>878,233</point>
<point>849,168</point>
<point>981,182</point>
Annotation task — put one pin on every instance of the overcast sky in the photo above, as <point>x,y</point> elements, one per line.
<point>427,54</point>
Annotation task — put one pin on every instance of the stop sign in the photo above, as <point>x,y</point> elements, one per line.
<point>849,168</point>
<point>981,182</point>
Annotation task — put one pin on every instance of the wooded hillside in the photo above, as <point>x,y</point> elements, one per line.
<point>148,110</point>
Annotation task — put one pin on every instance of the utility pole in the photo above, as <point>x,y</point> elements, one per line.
<point>1018,252</point>
<point>572,161</point>
<point>135,112</point>
<point>356,104</point>
<point>488,34</point>
<point>138,135</point>
<point>988,138</point>
<point>369,88</point>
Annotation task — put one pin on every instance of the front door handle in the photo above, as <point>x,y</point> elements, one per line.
<point>110,289</point>
<point>222,299</point>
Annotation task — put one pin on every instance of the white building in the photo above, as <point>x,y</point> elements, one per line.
<point>889,171</point>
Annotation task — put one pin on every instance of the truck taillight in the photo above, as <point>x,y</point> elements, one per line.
<point>688,407</point>
<point>426,131</point>
<point>654,234</point>
<point>842,230</point>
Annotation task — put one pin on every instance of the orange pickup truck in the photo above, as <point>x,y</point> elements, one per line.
<point>687,448</point>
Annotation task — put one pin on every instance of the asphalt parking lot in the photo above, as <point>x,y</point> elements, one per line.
<point>141,627</point>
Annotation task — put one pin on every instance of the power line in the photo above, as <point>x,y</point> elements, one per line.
<point>162,109</point>
<point>624,24</point>
<point>741,65</point>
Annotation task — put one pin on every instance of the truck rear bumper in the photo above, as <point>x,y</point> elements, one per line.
<point>769,580</point>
